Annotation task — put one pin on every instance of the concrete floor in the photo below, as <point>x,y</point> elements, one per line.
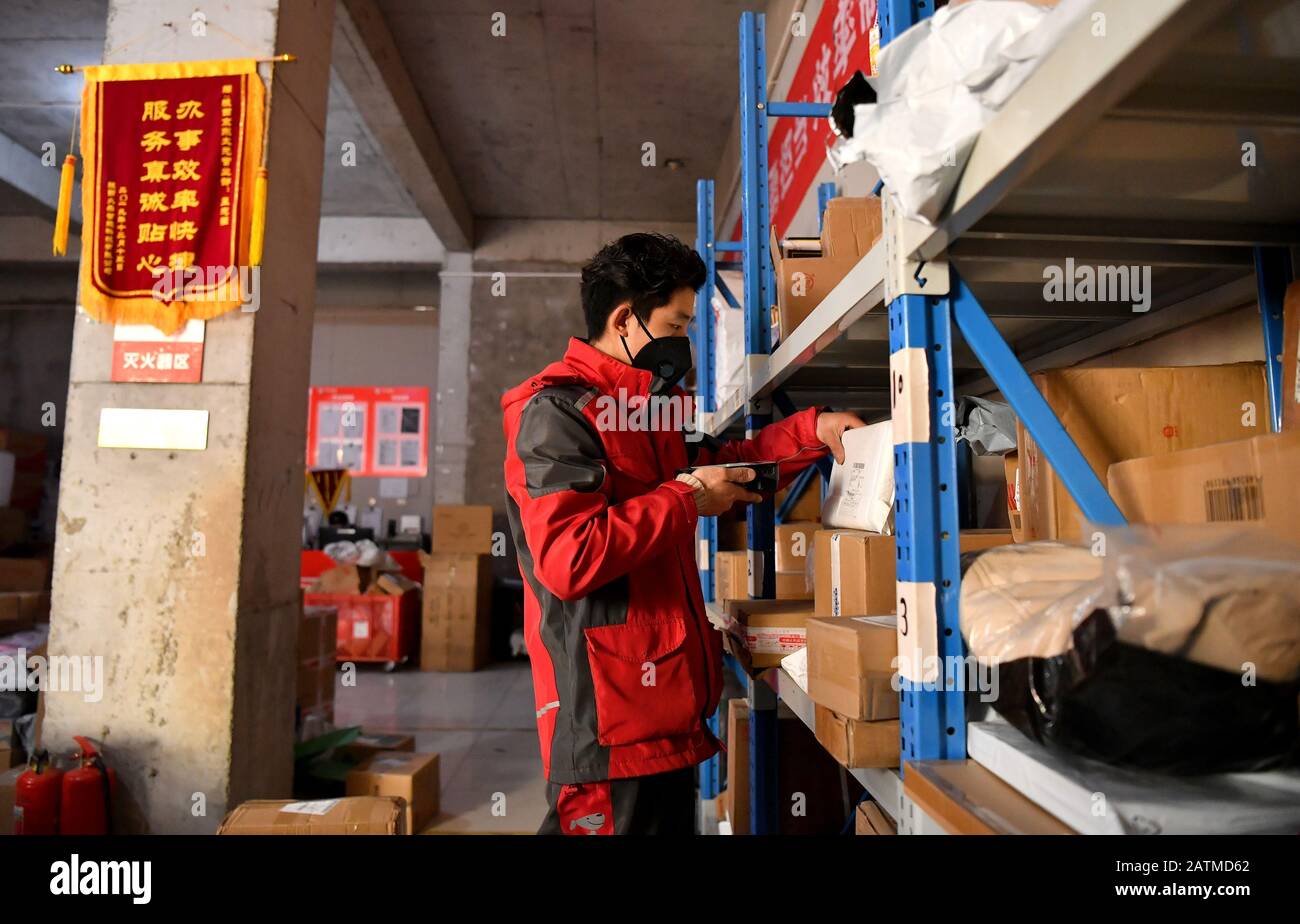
<point>483,727</point>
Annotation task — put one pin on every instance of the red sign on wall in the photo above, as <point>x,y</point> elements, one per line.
<point>371,431</point>
<point>142,353</point>
<point>838,45</point>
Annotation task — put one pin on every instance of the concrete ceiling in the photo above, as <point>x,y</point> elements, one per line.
<point>548,121</point>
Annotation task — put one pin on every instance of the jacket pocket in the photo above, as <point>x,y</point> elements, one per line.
<point>643,682</point>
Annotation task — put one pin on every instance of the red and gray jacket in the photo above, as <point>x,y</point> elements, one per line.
<point>626,666</point>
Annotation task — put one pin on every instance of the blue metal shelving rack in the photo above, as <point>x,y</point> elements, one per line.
<point>924,302</point>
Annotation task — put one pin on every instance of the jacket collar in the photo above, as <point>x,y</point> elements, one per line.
<point>605,371</point>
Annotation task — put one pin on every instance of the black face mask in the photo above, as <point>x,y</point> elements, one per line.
<point>667,358</point>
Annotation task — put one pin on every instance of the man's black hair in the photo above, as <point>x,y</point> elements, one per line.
<point>644,269</point>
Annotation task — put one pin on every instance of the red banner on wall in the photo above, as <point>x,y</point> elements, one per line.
<point>838,44</point>
<point>170,151</point>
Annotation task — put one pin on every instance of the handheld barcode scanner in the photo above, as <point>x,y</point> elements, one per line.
<point>766,475</point>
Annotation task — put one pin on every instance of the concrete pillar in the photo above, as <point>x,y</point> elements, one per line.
<point>452,447</point>
<point>180,569</point>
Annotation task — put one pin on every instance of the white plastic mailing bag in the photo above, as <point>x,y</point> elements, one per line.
<point>861,494</point>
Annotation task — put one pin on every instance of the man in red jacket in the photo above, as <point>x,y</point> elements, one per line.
<point>626,667</point>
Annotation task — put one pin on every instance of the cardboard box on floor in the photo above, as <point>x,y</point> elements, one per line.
<point>1119,414</point>
<point>867,569</point>
<point>851,665</point>
<point>1244,483</point>
<point>357,815</point>
<point>858,744</point>
<point>871,819</point>
<point>454,634</point>
<point>808,269</point>
<point>1291,357</point>
<point>368,745</point>
<point>462,530</point>
<point>411,777</point>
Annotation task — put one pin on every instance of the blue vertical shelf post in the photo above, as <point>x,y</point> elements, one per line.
<point>1273,273</point>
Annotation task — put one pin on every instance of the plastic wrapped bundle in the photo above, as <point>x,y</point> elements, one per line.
<point>1177,651</point>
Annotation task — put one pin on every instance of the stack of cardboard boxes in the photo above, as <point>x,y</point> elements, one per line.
<point>455,632</point>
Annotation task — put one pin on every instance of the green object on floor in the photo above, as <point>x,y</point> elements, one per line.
<point>314,747</point>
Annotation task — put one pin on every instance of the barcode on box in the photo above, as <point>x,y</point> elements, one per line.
<point>1229,500</point>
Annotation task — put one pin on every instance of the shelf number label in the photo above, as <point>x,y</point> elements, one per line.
<point>909,389</point>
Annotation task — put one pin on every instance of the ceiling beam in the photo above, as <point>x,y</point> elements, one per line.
<point>23,170</point>
<point>371,68</point>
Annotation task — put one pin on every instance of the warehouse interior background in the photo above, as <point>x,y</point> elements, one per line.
<point>464,178</point>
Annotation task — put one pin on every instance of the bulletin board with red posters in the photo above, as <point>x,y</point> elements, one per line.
<point>373,431</point>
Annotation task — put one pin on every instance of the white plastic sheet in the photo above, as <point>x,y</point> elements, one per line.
<point>939,84</point>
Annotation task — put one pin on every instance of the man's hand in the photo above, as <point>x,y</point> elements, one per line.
<point>830,430</point>
<point>722,489</point>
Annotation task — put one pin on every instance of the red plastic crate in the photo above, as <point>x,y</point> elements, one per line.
<point>374,627</point>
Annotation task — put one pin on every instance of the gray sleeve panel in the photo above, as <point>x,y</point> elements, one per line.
<point>559,448</point>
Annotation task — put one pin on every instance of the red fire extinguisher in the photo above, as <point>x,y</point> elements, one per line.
<point>87,793</point>
<point>36,797</point>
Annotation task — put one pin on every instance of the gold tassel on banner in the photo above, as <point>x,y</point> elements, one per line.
<point>63,217</point>
<point>67,176</point>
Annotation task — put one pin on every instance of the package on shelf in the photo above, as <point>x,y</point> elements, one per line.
<point>737,792</point>
<point>730,576</point>
<point>861,491</point>
<point>1247,482</point>
<point>794,545</point>
<point>457,611</point>
<point>809,268</point>
<point>465,530</point>
<point>808,507</point>
<point>855,572</point>
<point>851,665</point>
<point>765,631</point>
<point>1116,414</point>
<point>354,815</point>
<point>871,819</point>
<point>858,744</point>
<point>728,339</point>
<point>1015,516</point>
<point>404,775</point>
<point>1291,357</point>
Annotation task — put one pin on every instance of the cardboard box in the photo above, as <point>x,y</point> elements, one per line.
<point>368,745</point>
<point>865,564</point>
<point>358,815</point>
<point>1119,414</point>
<point>8,794</point>
<point>794,546</point>
<point>1246,482</point>
<point>808,508</point>
<point>343,579</point>
<point>871,819</point>
<point>24,574</point>
<point>793,585</point>
<point>1011,468</point>
<point>454,634</point>
<point>772,629</point>
<point>851,225</point>
<point>13,527</point>
<point>851,665</point>
<point>730,576</point>
<point>858,744</point>
<point>401,774</point>
<point>19,611</point>
<point>1291,357</point>
<point>393,583</point>
<point>804,276</point>
<point>462,530</point>
<point>738,765</point>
